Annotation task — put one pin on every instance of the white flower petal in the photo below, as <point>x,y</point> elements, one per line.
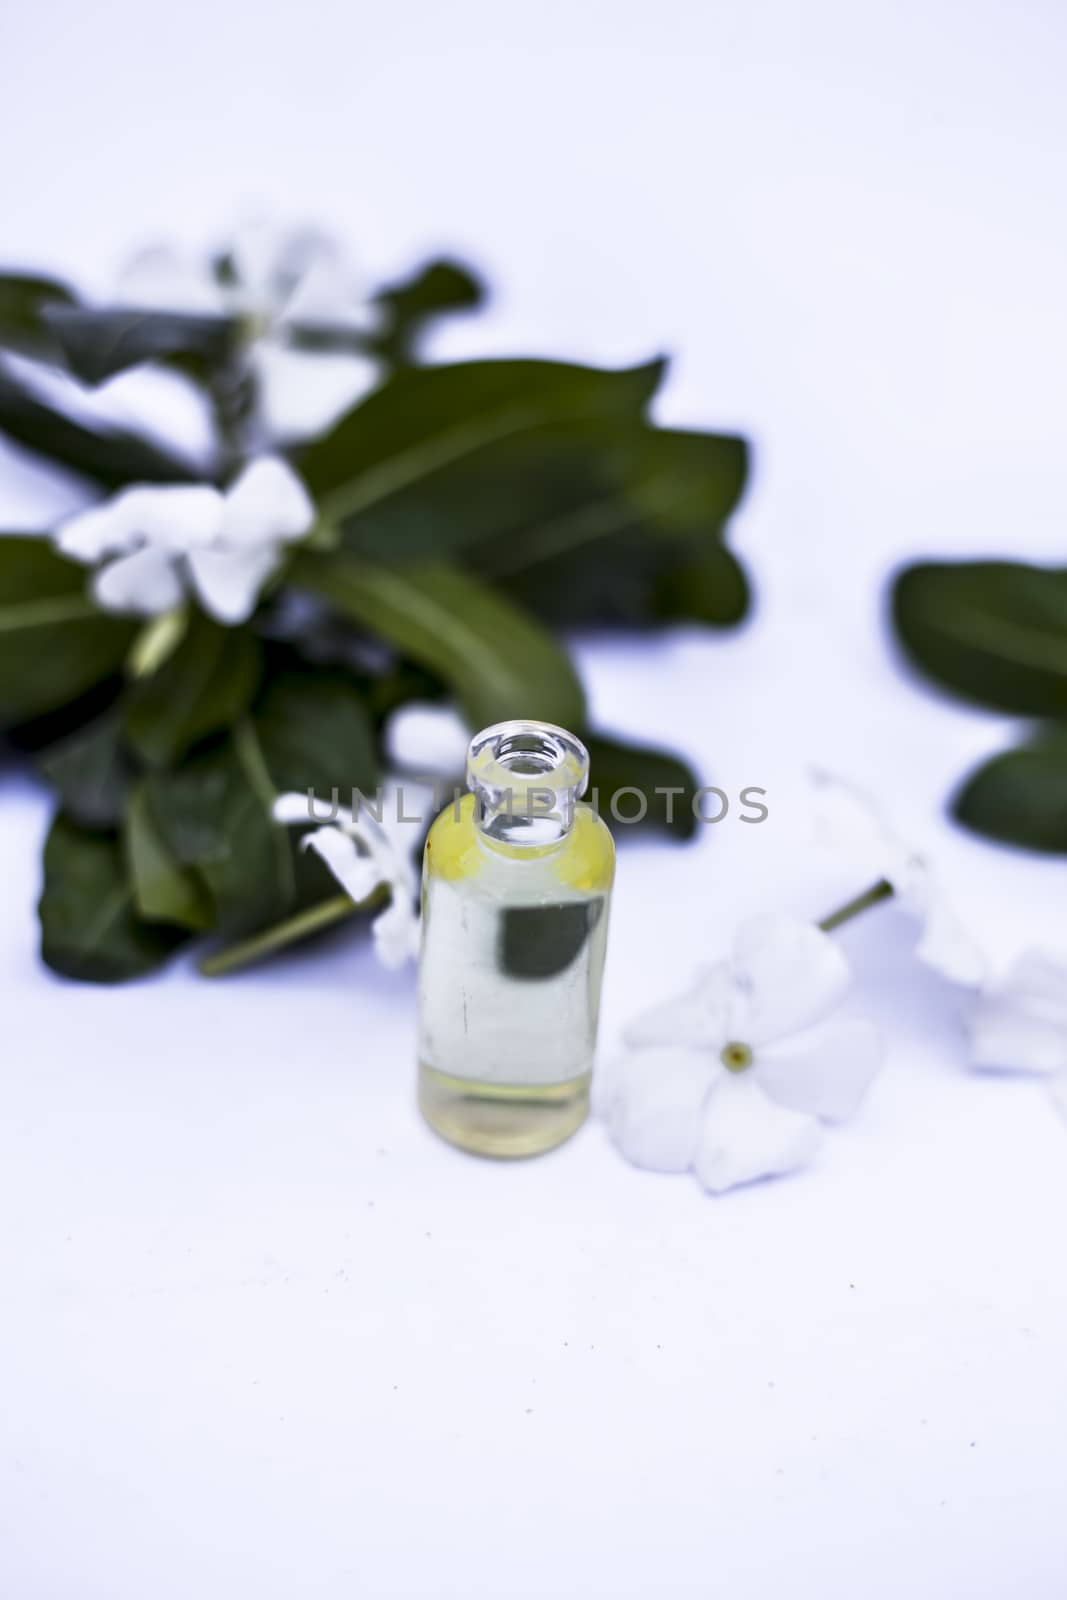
<point>103,530</point>
<point>427,739</point>
<point>825,1071</point>
<point>788,974</point>
<point>302,392</point>
<point>655,1114</point>
<point>848,817</point>
<point>178,517</point>
<point>944,943</point>
<point>1020,1024</point>
<point>396,931</point>
<point>292,808</point>
<point>266,503</point>
<point>359,875</point>
<point>144,583</point>
<point>745,1136</point>
<point>264,266</point>
<point>162,279</point>
<point>327,292</point>
<point>391,840</point>
<point>228,581</point>
<point>700,1017</point>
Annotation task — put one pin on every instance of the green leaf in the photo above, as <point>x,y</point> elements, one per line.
<point>54,642</point>
<point>24,298</point>
<point>615,765</point>
<point>557,494</point>
<point>214,816</point>
<point>206,683</point>
<point>711,587</point>
<point>316,733</point>
<point>105,456</point>
<point>593,525</point>
<point>427,418</point>
<point>498,660</point>
<point>1020,797</point>
<point>89,928</point>
<point>98,344</point>
<point>437,289</point>
<point>584,521</point>
<point>993,631</point>
<point>90,772</point>
<point>163,890</point>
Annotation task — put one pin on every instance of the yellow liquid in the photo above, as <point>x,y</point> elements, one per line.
<point>509,992</point>
<point>501,1119</point>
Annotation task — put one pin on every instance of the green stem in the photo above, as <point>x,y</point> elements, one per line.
<point>324,915</point>
<point>882,890</point>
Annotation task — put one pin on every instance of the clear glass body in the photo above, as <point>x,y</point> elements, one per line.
<point>516,886</point>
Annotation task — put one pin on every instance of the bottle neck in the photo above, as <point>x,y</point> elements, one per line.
<point>527,779</point>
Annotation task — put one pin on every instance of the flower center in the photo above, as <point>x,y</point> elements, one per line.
<point>736,1056</point>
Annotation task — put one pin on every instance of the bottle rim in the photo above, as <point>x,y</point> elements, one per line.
<point>520,756</point>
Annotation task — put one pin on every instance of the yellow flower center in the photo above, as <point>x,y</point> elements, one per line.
<point>735,1056</point>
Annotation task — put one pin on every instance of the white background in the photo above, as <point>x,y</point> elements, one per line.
<point>260,1334</point>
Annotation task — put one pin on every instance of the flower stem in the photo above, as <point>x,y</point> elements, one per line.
<point>323,915</point>
<point>882,890</point>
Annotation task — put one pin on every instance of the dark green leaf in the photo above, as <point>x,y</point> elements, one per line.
<point>592,525</point>
<point>54,642</point>
<point>205,684</point>
<point>435,290</point>
<point>98,344</point>
<point>103,455</point>
<point>614,766</point>
<point>34,736</point>
<point>89,928</point>
<point>401,684</point>
<point>214,816</point>
<point>993,631</point>
<point>428,418</point>
<point>316,733</point>
<point>1020,797</point>
<point>555,492</point>
<point>538,942</point>
<point>90,772</point>
<point>498,660</point>
<point>710,587</point>
<point>23,300</point>
<point>584,521</point>
<point>163,889</point>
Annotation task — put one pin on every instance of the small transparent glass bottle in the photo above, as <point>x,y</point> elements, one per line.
<point>516,884</point>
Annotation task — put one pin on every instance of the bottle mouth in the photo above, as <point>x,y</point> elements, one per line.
<point>526,777</point>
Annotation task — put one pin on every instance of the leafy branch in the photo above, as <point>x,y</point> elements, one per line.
<point>463,514</point>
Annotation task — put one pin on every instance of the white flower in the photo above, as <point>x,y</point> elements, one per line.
<point>150,544</point>
<point>276,282</point>
<point>427,739</point>
<point>848,818</point>
<point>1019,1024</point>
<point>733,1078</point>
<point>363,854</point>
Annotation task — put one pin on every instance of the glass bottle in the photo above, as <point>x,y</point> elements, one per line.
<point>516,883</point>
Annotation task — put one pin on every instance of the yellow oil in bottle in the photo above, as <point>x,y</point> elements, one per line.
<point>514,938</point>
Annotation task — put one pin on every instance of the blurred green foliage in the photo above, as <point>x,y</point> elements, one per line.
<point>465,514</point>
<point>994,633</point>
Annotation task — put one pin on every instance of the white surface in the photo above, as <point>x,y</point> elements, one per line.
<point>260,1333</point>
